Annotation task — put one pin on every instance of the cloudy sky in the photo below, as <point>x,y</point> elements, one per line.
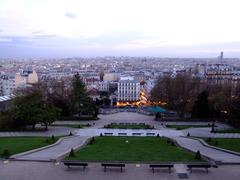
<point>67,28</point>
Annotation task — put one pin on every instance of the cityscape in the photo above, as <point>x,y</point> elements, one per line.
<point>125,90</point>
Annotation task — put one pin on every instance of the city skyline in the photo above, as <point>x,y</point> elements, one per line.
<point>45,29</point>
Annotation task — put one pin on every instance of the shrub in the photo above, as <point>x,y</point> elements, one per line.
<point>6,153</point>
<point>92,141</point>
<point>198,155</point>
<point>72,153</point>
<point>209,139</point>
<point>213,128</point>
<point>53,137</point>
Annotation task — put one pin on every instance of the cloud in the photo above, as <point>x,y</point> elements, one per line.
<point>71,15</point>
<point>3,39</point>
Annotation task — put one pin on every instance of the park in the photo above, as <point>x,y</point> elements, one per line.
<point>124,142</point>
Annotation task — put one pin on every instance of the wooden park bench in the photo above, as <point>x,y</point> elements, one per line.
<point>205,166</point>
<point>136,134</point>
<point>105,165</point>
<point>108,134</point>
<point>122,134</point>
<point>150,134</point>
<point>169,166</point>
<point>75,163</point>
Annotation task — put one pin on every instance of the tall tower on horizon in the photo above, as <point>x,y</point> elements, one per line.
<point>221,56</point>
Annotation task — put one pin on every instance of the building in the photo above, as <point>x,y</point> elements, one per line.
<point>128,90</point>
<point>10,82</point>
<point>111,77</point>
<point>31,77</point>
<point>103,86</point>
<point>5,102</point>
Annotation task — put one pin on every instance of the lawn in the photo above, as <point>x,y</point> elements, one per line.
<point>128,126</point>
<point>234,130</point>
<point>232,144</point>
<point>17,145</point>
<point>181,127</point>
<point>132,149</point>
<point>72,125</point>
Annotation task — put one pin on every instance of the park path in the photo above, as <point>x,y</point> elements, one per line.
<point>206,132</point>
<point>56,131</point>
<point>58,150</point>
<point>54,152</point>
<point>214,154</point>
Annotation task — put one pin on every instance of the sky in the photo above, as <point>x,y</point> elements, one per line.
<point>163,28</point>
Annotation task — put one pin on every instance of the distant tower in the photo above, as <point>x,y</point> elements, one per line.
<point>221,56</point>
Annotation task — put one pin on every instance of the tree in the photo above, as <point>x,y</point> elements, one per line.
<point>201,106</point>
<point>177,92</point>
<point>81,103</point>
<point>234,112</point>
<point>78,95</point>
<point>30,109</point>
<point>50,113</point>
<point>158,116</point>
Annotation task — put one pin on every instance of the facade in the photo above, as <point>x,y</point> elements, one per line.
<point>104,86</point>
<point>128,90</point>
<point>10,82</point>
<point>111,77</point>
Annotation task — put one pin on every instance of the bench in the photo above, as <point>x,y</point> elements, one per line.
<point>122,134</point>
<point>75,163</point>
<point>169,166</point>
<point>105,165</point>
<point>136,134</point>
<point>150,134</point>
<point>108,134</point>
<point>191,166</point>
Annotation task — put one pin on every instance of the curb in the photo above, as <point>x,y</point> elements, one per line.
<point>13,157</point>
<point>208,159</point>
<point>64,154</point>
<point>219,149</point>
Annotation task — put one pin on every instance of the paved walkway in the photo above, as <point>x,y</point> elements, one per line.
<point>216,155</point>
<point>206,132</point>
<point>56,131</point>
<point>49,171</point>
<point>54,152</point>
<point>64,146</point>
<point>130,132</point>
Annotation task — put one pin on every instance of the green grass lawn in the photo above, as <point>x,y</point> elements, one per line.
<point>72,125</point>
<point>138,149</point>
<point>234,130</point>
<point>17,145</point>
<point>181,127</point>
<point>128,126</point>
<point>232,144</point>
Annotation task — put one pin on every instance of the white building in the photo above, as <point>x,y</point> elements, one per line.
<point>10,82</point>
<point>128,90</point>
<point>103,86</point>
